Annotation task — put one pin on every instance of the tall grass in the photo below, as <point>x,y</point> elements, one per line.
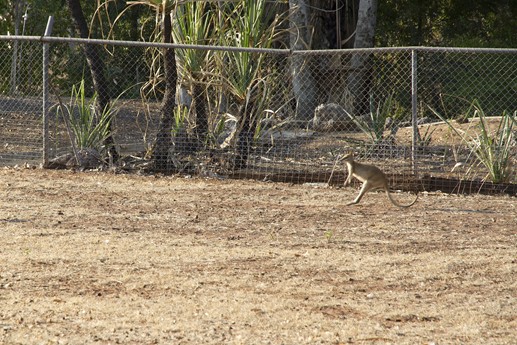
<point>493,149</point>
<point>87,127</point>
<point>193,24</point>
<point>248,23</point>
<point>374,124</point>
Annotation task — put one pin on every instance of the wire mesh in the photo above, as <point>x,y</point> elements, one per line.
<point>20,102</point>
<point>265,114</point>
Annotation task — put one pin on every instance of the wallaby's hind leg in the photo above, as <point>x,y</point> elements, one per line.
<point>365,188</point>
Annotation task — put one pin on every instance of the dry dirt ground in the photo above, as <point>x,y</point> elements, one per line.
<point>107,259</point>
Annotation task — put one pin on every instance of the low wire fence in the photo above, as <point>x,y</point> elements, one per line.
<point>426,116</point>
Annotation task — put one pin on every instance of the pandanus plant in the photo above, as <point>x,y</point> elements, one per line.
<point>494,149</point>
<point>193,23</point>
<point>247,24</point>
<point>239,24</point>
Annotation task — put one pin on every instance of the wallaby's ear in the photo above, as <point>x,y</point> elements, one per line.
<point>347,154</point>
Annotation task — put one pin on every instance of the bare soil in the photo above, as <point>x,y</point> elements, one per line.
<point>106,259</point>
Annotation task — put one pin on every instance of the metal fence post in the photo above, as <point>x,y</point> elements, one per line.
<point>48,32</point>
<point>414,110</point>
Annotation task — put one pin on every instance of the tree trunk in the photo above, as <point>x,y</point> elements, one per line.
<point>14,64</point>
<point>348,23</point>
<point>304,82</point>
<point>198,95</point>
<point>245,137</point>
<point>360,78</point>
<point>94,60</point>
<point>163,143</point>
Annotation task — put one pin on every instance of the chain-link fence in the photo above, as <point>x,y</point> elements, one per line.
<point>421,114</point>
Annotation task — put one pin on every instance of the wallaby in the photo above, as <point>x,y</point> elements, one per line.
<point>371,177</point>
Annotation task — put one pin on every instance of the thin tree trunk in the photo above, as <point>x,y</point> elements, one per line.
<point>360,78</point>
<point>349,23</point>
<point>94,60</point>
<point>245,137</point>
<point>201,114</point>
<point>14,65</point>
<point>163,142</point>
<point>304,82</point>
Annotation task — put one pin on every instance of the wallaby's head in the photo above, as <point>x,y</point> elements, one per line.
<point>348,157</point>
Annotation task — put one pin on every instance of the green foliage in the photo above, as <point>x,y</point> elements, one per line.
<point>495,151</point>
<point>245,75</point>
<point>492,149</point>
<point>193,24</point>
<point>329,234</point>
<point>37,16</point>
<point>488,78</point>
<point>248,24</point>
<point>88,128</point>
<point>425,139</point>
<point>484,23</point>
<point>374,125</point>
<point>180,120</point>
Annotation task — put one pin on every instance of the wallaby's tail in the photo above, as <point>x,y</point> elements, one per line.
<point>401,205</point>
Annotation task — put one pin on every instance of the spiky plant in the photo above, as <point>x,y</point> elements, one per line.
<point>246,24</point>
<point>493,149</point>
<point>88,128</point>
<point>373,126</point>
<point>194,24</point>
